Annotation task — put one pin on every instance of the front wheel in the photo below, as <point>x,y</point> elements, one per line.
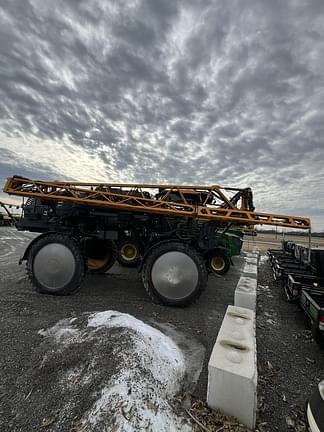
<point>55,264</point>
<point>174,274</point>
<point>218,262</point>
<point>129,253</point>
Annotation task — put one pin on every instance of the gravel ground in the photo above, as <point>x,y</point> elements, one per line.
<point>23,313</point>
<point>290,363</point>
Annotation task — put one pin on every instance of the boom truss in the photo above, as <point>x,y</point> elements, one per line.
<point>225,205</point>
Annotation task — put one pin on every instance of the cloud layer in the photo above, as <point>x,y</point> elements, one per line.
<point>183,91</point>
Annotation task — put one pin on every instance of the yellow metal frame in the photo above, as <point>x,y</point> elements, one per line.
<point>105,195</point>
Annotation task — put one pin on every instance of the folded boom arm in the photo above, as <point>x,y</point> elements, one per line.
<point>201,202</point>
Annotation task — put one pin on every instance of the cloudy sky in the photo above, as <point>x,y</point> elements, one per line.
<point>186,91</point>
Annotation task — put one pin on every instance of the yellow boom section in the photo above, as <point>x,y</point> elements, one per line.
<point>214,204</point>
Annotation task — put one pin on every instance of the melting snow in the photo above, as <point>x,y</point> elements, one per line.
<point>263,258</point>
<point>138,395</point>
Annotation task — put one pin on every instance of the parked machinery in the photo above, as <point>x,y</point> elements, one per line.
<point>7,217</point>
<point>301,269</point>
<point>130,250</point>
<point>180,230</point>
<point>131,244</point>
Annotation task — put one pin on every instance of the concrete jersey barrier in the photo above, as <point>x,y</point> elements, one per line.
<point>232,368</point>
<point>246,292</point>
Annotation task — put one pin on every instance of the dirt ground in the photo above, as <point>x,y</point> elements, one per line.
<point>23,312</point>
<point>290,363</point>
<point>265,241</point>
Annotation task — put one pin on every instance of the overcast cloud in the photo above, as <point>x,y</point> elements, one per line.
<point>185,91</point>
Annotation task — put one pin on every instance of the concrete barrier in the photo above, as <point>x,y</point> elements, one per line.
<point>250,270</point>
<point>232,368</point>
<point>254,252</point>
<point>246,292</point>
<point>252,260</point>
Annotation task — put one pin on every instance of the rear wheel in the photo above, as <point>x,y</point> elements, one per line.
<point>100,255</point>
<point>218,262</point>
<point>129,253</point>
<point>55,264</point>
<point>174,274</point>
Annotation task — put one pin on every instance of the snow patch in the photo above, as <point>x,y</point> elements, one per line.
<point>263,259</point>
<point>264,289</point>
<point>62,332</point>
<point>148,371</point>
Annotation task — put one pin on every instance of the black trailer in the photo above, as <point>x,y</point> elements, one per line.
<point>298,281</point>
<point>312,303</point>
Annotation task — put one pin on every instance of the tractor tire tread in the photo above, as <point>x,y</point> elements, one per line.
<point>181,247</point>
<point>71,288</point>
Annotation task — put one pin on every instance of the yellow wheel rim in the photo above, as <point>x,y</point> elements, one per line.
<point>217,263</point>
<point>97,263</point>
<point>129,252</point>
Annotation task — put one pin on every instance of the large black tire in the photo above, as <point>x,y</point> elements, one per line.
<point>100,255</point>
<point>129,252</point>
<point>218,262</point>
<point>56,265</point>
<point>174,274</point>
